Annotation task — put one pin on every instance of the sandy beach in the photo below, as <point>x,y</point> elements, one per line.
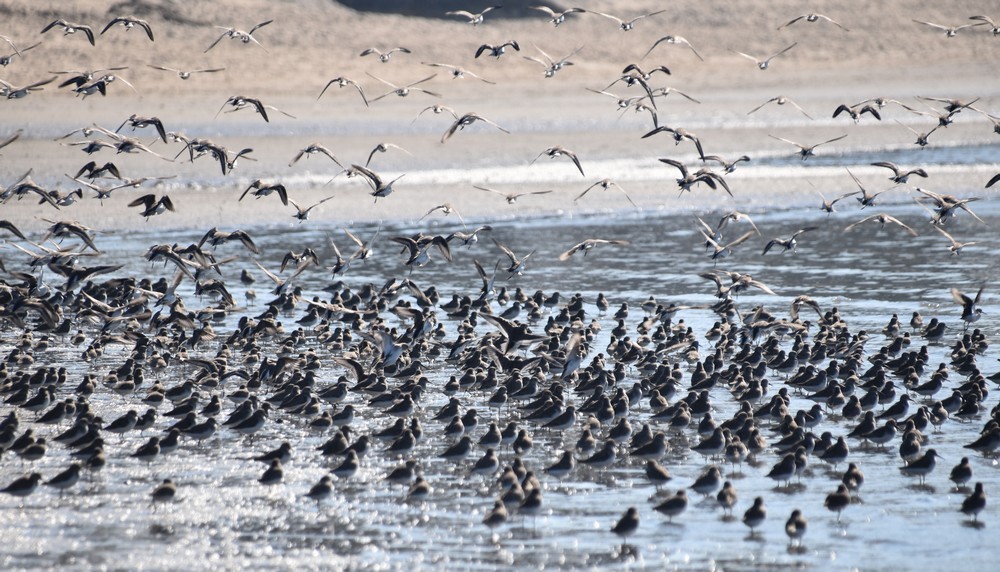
<point>311,42</point>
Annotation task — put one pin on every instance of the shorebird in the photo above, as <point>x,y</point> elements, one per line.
<point>474,19</point>
<point>673,506</point>
<point>380,189</point>
<point>557,17</point>
<point>780,100</point>
<point>812,17</point>
<point>516,266</point>
<point>136,122</point>
<point>365,249</point>
<point>994,29</point>
<point>970,310</point>
<point>626,25</point>
<point>237,34</point>
<point>511,198</point>
<point>806,151</point>
<point>727,166</point>
<point>795,527</point>
<point>71,28</point>
<point>153,205</point>
<point>856,111</point>
<point>724,250</point>
<point>239,102</point>
<point>675,40</point>
<point>419,252</point>
<point>261,189</point>
<point>458,73</point>
<point>436,109</point>
<point>590,243</point>
<point>764,64</point>
<point>469,238</point>
<point>7,59</point>
<point>882,219</point>
<point>186,74</point>
<point>627,524</point>
<point>923,466</point>
<point>787,244</point>
<point>550,65</point>
<point>403,91</point>
<point>310,150</point>
<point>557,151</point>
<point>949,31</point>
<point>922,138</point>
<point>679,134</point>
<point>839,500</point>
<point>384,57</point>
<point>827,206</point>
<point>342,81</point>
<point>755,515</point>
<point>899,175</point>
<point>866,199</point>
<point>955,246</point>
<point>704,175</point>
<point>468,119</point>
<point>129,22</point>
<point>606,184</point>
<point>446,209</point>
<point>11,92</point>
<point>973,504</point>
<point>383,148</point>
<point>303,213</point>
<point>498,50</point>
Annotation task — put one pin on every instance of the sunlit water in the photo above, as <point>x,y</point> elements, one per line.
<point>223,518</point>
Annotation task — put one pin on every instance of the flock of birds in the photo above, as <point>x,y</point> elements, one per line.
<point>530,361</point>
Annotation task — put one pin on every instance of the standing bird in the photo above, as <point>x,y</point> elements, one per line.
<point>974,503</point>
<point>795,527</point>
<point>755,515</point>
<point>627,524</point>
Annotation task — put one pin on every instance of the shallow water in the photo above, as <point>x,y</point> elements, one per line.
<point>224,519</point>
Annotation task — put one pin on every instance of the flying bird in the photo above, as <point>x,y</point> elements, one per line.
<point>589,244</point>
<point>626,25</point>
<point>806,151</point>
<point>780,100</point>
<point>403,91</point>
<point>384,57</point>
<point>474,19</point>
<point>789,243</point>
<point>557,17</point>
<point>186,74</point>
<point>606,184</point>
<point>71,28</point>
<point>129,22</point>
<point>557,151</point>
<point>883,219</point>
<point>511,198</point>
<point>468,119</point>
<point>765,63</point>
<point>237,34</point>
<point>812,18</point>
<point>342,81</point>
<point>675,40</point>
<point>498,50</point>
